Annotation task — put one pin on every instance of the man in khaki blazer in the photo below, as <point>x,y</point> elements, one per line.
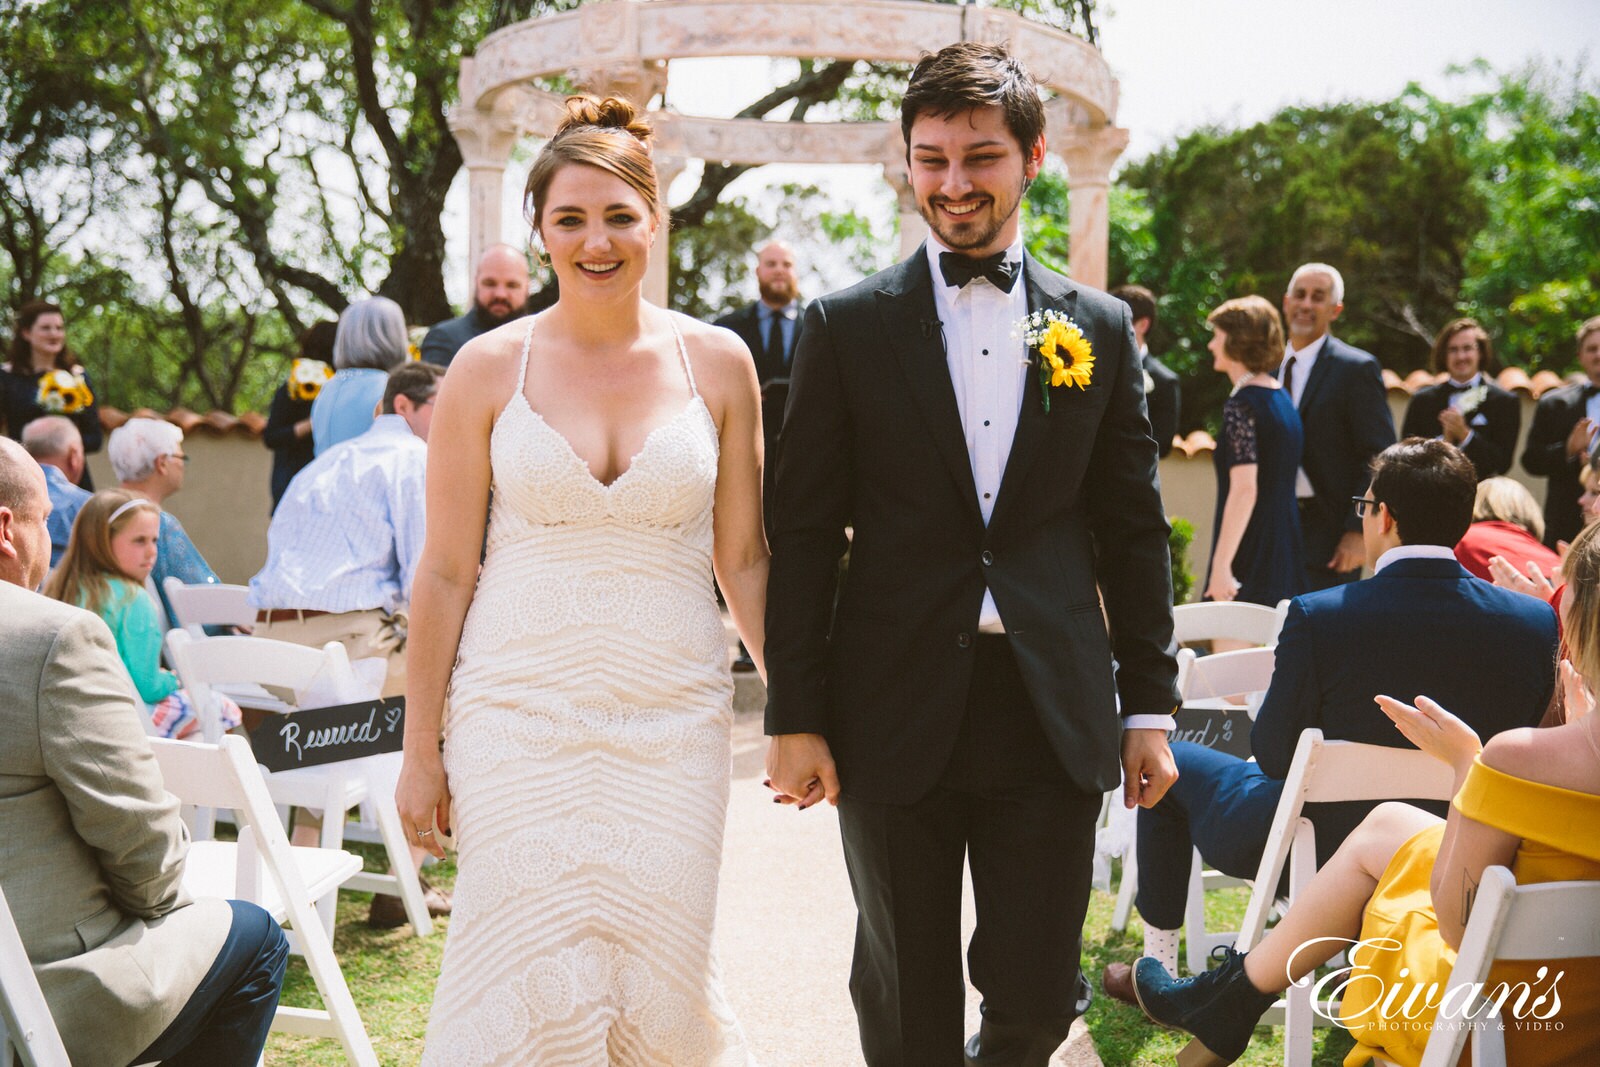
<point>92,852</point>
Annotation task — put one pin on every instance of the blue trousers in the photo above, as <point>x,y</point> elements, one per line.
<point>1220,804</point>
<point>226,1021</point>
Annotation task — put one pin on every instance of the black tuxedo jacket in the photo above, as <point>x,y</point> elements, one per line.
<point>1493,442</point>
<point>1345,411</point>
<point>1163,401</point>
<point>872,439</point>
<point>1545,454</point>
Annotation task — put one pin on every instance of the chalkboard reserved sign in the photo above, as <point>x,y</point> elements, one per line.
<point>316,736</point>
<point>1224,729</point>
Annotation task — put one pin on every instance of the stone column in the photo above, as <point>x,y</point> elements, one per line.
<point>913,229</point>
<point>486,139</point>
<point>656,276</point>
<point>1089,155</point>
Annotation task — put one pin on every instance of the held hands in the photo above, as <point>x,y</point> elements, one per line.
<point>423,797</point>
<point>800,770</point>
<point>1435,731</point>
<point>1349,553</point>
<point>1148,770</point>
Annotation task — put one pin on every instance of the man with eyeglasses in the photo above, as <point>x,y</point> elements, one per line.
<point>1420,626</point>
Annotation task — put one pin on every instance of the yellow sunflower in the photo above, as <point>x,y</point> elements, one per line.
<point>1068,354</point>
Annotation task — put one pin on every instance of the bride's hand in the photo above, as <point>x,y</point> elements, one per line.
<point>1435,731</point>
<point>423,798</point>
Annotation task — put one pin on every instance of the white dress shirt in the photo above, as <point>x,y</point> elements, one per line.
<point>348,532</point>
<point>1413,552</point>
<point>988,370</point>
<point>1304,360</point>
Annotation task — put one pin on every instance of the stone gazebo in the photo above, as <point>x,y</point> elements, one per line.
<point>622,48</point>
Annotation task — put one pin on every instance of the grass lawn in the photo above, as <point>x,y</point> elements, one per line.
<point>391,976</point>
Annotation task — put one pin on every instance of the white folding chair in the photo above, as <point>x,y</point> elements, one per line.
<point>213,604</point>
<point>1233,620</point>
<point>27,1032</point>
<point>261,867</point>
<point>207,663</point>
<point>1202,681</point>
<point>1547,921</point>
<point>1325,772</point>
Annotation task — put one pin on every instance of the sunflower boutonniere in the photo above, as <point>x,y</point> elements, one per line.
<point>1059,349</point>
<point>64,392</point>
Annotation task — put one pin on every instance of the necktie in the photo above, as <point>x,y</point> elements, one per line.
<point>1288,376</point>
<point>959,270</point>
<point>775,347</point>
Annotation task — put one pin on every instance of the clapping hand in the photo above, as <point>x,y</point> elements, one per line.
<point>1578,440</point>
<point>1535,583</point>
<point>1454,424</point>
<point>1435,731</point>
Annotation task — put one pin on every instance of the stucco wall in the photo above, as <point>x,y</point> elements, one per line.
<point>225,502</point>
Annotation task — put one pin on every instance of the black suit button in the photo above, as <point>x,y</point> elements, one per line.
<point>987,557</point>
<point>964,639</point>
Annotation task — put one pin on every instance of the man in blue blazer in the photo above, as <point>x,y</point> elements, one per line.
<point>1421,626</point>
<point>1338,390</point>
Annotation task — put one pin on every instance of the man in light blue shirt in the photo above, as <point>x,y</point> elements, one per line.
<point>56,445</point>
<point>343,545</point>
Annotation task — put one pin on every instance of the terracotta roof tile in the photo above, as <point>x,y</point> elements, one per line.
<point>218,423</point>
<point>1512,379</point>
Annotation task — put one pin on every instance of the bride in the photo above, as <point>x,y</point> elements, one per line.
<point>581,679</point>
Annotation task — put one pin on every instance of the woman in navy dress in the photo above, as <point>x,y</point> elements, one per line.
<point>1256,553</point>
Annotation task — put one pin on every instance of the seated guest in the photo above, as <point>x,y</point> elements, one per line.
<point>55,444</point>
<point>1420,624</point>
<point>112,551</point>
<point>342,553</point>
<point>1505,522</point>
<point>148,459</point>
<point>371,341</point>
<point>1467,409</point>
<point>1528,800</point>
<point>288,431</point>
<point>133,970</point>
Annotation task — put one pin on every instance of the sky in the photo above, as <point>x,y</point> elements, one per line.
<point>1181,64</point>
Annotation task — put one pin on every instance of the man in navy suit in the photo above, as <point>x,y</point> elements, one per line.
<point>1338,390</point>
<point>1420,626</point>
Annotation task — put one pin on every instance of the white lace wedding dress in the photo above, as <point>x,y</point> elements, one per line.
<point>587,748</point>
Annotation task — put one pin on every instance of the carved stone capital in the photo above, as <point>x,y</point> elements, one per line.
<point>1090,154</point>
<point>486,138</point>
<point>631,80</point>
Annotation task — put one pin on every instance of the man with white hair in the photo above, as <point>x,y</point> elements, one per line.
<point>55,443</point>
<point>147,457</point>
<point>499,294</point>
<point>1338,390</point>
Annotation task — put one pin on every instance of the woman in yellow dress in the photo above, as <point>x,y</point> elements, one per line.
<point>1401,888</point>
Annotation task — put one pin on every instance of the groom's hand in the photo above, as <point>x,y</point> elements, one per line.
<point>1148,770</point>
<point>800,769</point>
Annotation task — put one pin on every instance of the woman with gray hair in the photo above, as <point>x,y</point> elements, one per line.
<point>371,342</point>
<point>148,458</point>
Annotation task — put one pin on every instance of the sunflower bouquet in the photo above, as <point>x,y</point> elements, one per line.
<point>1061,352</point>
<point>306,377</point>
<point>64,392</point>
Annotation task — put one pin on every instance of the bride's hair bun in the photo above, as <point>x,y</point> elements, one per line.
<point>609,113</point>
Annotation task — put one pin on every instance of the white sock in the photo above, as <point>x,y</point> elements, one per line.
<point>1163,945</point>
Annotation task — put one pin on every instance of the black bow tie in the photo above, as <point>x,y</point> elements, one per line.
<point>1457,387</point>
<point>958,270</point>
<point>1590,390</point>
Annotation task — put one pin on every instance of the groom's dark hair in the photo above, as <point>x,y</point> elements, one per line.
<point>960,77</point>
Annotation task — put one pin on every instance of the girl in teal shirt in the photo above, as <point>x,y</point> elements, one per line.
<point>111,553</point>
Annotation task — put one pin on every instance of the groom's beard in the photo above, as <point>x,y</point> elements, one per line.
<point>976,232</point>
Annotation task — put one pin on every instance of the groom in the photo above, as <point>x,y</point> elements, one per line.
<point>960,703</point>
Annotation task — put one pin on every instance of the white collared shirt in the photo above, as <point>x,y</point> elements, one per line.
<point>988,370</point>
<point>1304,360</point>
<point>1413,552</point>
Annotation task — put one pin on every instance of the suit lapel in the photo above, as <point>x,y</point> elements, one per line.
<point>1046,289</point>
<point>1319,374</point>
<point>907,308</point>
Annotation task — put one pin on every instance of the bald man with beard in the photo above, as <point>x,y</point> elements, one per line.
<point>499,294</point>
<point>779,306</point>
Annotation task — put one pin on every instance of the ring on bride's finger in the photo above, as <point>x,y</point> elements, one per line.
<point>424,833</point>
